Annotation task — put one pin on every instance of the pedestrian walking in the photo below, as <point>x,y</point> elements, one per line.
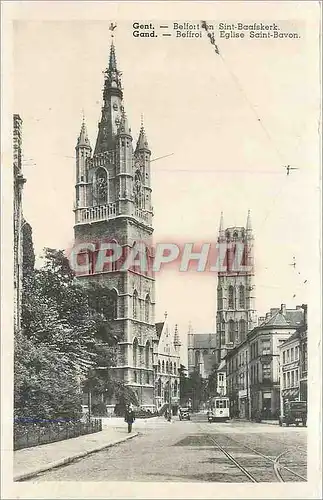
<point>129,417</point>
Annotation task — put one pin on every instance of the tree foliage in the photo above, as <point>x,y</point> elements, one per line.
<point>64,336</point>
<point>192,388</point>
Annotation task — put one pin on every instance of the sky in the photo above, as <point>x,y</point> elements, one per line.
<point>203,108</point>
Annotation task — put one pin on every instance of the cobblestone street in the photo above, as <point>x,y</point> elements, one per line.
<point>196,451</point>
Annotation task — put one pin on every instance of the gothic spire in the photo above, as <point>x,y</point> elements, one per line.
<point>176,337</point>
<point>83,139</point>
<point>112,84</point>
<point>221,227</point>
<point>124,125</point>
<point>112,60</point>
<point>112,108</point>
<point>142,143</point>
<point>249,226</point>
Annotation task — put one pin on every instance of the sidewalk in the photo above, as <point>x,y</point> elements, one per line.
<point>29,462</point>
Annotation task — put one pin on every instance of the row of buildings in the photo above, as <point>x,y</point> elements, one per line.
<point>270,365</point>
<point>259,362</point>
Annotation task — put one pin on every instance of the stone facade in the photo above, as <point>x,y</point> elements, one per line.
<point>18,182</point>
<point>113,205</point>
<point>290,368</point>
<point>201,353</point>
<point>253,367</point>
<point>167,364</point>
<point>236,314</point>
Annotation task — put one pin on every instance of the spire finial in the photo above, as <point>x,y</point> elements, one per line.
<point>221,222</point>
<point>142,139</point>
<point>112,27</point>
<point>177,342</point>
<point>83,139</point>
<point>165,315</point>
<point>249,226</point>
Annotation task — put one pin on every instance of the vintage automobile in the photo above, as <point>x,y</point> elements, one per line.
<point>184,414</point>
<point>293,412</point>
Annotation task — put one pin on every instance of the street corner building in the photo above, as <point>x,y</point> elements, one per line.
<point>253,367</point>
<point>167,364</point>
<point>113,203</point>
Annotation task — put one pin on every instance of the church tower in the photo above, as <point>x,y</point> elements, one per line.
<point>113,204</point>
<point>236,314</point>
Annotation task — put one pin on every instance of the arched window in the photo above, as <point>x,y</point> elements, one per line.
<point>197,358</point>
<point>135,377</point>
<point>147,308</point>
<point>113,252</point>
<point>231,330</point>
<point>220,298</point>
<point>175,389</point>
<point>159,388</point>
<point>135,303</point>
<point>167,367</point>
<point>135,352</point>
<point>242,297</point>
<point>100,194</point>
<point>223,332</point>
<point>171,367</point>
<point>236,329</point>
<point>163,366</point>
<point>148,265</point>
<point>147,378</point>
<point>231,297</point>
<point>147,352</point>
<point>138,194</point>
<point>242,328</point>
<point>110,305</point>
<point>159,367</point>
<point>175,369</point>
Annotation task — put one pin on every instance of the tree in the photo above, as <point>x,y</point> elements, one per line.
<point>45,385</point>
<point>197,389</point>
<point>28,254</point>
<point>65,325</point>
<point>211,388</point>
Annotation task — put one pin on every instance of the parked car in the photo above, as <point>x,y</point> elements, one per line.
<point>293,412</point>
<point>184,414</point>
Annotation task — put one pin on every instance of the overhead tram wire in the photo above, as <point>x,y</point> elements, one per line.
<point>236,80</point>
<point>252,107</point>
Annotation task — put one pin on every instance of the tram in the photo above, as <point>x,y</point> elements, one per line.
<point>218,409</point>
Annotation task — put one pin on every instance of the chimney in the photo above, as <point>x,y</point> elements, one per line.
<point>304,307</point>
<point>261,319</point>
<point>283,309</point>
<point>268,315</point>
<point>298,308</point>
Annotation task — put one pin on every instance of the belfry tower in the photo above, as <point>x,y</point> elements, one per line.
<point>236,314</point>
<point>113,204</point>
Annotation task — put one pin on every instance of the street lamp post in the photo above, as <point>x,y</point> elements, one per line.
<point>170,399</point>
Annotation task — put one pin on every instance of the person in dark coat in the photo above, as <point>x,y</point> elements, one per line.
<point>129,417</point>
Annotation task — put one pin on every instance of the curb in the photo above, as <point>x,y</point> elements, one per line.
<point>68,460</point>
